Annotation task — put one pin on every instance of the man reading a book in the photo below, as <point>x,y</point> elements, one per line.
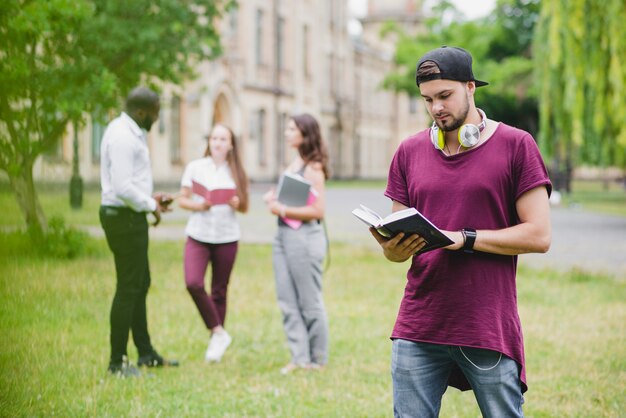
<point>484,184</point>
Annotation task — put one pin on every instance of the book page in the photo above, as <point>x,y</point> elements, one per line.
<point>369,217</point>
<point>372,212</point>
<point>401,214</point>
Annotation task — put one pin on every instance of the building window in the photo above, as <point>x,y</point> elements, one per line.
<point>331,75</point>
<point>97,132</point>
<point>259,37</point>
<point>331,14</point>
<point>412,105</point>
<point>257,133</point>
<point>261,136</point>
<point>232,22</point>
<point>175,142</point>
<point>305,51</point>
<point>283,147</point>
<point>280,44</point>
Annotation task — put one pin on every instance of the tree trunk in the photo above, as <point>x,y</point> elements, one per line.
<point>24,189</point>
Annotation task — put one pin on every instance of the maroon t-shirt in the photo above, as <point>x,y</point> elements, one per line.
<point>452,297</point>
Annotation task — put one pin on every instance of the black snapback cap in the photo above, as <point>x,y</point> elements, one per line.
<point>454,64</point>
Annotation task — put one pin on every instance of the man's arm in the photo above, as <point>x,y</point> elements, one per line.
<point>532,235</point>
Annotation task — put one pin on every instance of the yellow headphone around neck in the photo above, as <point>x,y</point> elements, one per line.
<point>468,134</point>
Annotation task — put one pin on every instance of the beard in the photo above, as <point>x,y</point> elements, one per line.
<point>146,123</point>
<point>456,122</point>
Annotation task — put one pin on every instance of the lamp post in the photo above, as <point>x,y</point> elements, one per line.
<point>76,183</point>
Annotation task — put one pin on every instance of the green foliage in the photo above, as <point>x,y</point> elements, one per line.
<point>61,60</point>
<point>61,242</point>
<point>500,46</point>
<point>581,72</point>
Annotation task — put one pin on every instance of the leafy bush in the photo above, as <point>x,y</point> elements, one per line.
<point>60,242</point>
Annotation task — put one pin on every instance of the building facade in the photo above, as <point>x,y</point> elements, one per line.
<point>281,57</point>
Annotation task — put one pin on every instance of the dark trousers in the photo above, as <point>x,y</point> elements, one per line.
<point>198,255</point>
<point>127,236</point>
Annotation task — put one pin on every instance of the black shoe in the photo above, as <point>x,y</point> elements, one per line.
<point>155,360</point>
<point>123,370</point>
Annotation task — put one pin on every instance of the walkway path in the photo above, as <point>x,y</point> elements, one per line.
<point>580,239</point>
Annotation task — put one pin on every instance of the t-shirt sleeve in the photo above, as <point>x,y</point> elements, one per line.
<point>185,181</point>
<point>396,180</point>
<point>530,169</point>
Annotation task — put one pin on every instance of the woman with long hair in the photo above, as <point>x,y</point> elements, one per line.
<point>299,249</point>
<point>213,188</point>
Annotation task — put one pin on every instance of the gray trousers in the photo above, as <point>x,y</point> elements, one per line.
<point>298,256</point>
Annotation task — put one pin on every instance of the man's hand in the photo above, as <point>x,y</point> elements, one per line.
<point>397,251</point>
<point>157,215</point>
<point>163,201</point>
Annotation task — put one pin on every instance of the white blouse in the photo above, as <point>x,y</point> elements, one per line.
<point>219,224</point>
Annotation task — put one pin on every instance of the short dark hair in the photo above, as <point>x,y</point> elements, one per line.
<point>427,68</point>
<point>141,98</point>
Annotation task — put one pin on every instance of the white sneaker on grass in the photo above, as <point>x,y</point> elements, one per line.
<point>217,346</point>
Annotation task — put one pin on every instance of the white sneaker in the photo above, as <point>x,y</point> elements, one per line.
<point>217,346</point>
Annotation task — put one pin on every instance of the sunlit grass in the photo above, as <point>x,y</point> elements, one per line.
<point>54,322</point>
<point>595,196</point>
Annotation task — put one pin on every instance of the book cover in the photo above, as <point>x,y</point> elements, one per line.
<point>297,223</point>
<point>214,196</point>
<point>293,190</point>
<point>410,221</point>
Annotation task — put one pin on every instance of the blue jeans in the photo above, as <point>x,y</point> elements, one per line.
<point>420,374</point>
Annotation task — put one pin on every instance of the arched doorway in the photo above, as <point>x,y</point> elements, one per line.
<point>221,111</point>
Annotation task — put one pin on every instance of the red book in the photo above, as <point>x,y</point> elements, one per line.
<point>214,196</point>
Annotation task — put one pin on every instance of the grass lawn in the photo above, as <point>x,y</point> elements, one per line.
<point>54,322</point>
<point>609,198</point>
<point>54,350</point>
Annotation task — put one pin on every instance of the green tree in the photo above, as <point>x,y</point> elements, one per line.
<point>500,45</point>
<point>580,56</point>
<point>61,59</point>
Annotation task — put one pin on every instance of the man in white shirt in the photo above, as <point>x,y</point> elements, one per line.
<point>127,197</point>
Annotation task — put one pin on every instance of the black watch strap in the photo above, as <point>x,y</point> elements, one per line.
<point>469,237</point>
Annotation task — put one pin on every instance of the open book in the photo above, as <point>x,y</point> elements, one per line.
<point>214,196</point>
<point>409,221</point>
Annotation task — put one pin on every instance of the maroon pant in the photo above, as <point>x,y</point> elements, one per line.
<point>198,255</point>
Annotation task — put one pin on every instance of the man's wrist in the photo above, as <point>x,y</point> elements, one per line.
<point>469,238</point>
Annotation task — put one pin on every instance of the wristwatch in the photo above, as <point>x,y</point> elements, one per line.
<point>469,237</point>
